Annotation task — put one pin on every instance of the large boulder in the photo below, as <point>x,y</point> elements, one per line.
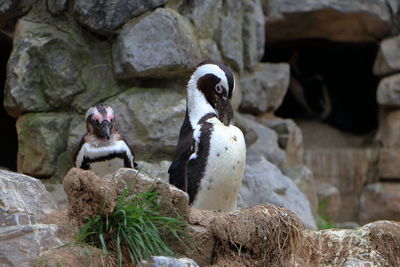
<point>380,201</point>
<point>389,128</point>
<point>388,58</point>
<point>53,65</point>
<point>103,17</point>
<point>23,202</point>
<point>263,183</point>
<point>167,46</point>
<point>260,140</point>
<point>149,120</point>
<point>374,244</point>
<point>388,93</point>
<point>10,9</point>
<point>349,21</point>
<point>264,89</point>
<point>41,139</point>
<point>388,166</point>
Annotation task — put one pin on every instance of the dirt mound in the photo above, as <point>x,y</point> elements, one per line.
<point>264,235</point>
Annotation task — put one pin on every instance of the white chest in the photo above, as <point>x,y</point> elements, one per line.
<point>224,171</point>
<point>105,167</point>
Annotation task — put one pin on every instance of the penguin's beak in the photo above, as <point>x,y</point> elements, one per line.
<point>225,111</point>
<point>103,130</point>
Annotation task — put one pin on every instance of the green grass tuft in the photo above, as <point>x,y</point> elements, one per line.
<point>132,231</point>
<point>323,220</point>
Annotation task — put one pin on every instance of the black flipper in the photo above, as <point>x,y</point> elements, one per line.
<point>185,148</point>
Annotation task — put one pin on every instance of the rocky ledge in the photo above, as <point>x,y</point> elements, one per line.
<point>32,231</point>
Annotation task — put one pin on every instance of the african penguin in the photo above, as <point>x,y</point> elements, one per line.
<point>210,156</point>
<point>103,149</point>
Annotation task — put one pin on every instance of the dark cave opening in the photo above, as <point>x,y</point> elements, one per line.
<point>8,136</point>
<point>330,81</point>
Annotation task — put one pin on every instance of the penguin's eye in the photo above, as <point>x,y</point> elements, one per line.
<point>218,88</point>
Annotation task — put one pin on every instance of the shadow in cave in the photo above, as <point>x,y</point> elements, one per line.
<point>8,132</point>
<point>330,81</point>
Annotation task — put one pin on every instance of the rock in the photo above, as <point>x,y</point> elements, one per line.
<point>264,89</point>
<point>388,166</point>
<point>230,34</point>
<point>167,47</point>
<point>304,180</point>
<point>388,59</point>
<point>380,201</point>
<point>343,160</point>
<point>366,21</point>
<point>149,120</point>
<point>204,15</point>
<point>389,127</point>
<point>41,138</point>
<point>57,192</point>
<point>264,183</point>
<point>290,138</point>
<point>24,196</point>
<point>253,33</point>
<point>210,50</point>
<point>17,240</point>
<point>158,170</point>
<point>88,195</point>
<point>388,93</point>
<point>260,140</point>
<point>374,244</point>
<point>23,201</point>
<point>162,261</point>
<point>10,9</point>
<point>56,7</point>
<point>329,199</point>
<point>43,65</point>
<point>264,235</point>
<point>103,17</point>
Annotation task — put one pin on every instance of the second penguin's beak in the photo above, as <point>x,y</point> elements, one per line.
<point>225,111</point>
<point>105,129</point>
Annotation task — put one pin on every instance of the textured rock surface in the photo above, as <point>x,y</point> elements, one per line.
<point>388,166</point>
<point>157,170</point>
<point>264,89</point>
<point>23,201</point>
<point>290,138</point>
<point>264,183</point>
<point>291,19</point>
<point>375,244</point>
<point>159,261</point>
<point>380,201</point>
<point>56,7</point>
<point>388,93</point>
<point>41,138</point>
<point>104,16</point>
<point>149,120</point>
<point>340,159</point>
<point>389,128</point>
<point>260,140</point>
<point>388,58</point>
<point>167,47</point>
<point>304,179</point>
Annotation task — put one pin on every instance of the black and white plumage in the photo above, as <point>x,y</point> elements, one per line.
<point>103,149</point>
<point>210,156</point>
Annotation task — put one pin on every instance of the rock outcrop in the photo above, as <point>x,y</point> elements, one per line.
<point>23,202</point>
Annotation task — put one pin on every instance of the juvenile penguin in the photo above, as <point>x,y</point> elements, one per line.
<point>210,156</point>
<point>103,149</point>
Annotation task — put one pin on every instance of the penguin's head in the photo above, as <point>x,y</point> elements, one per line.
<point>100,121</point>
<point>216,82</point>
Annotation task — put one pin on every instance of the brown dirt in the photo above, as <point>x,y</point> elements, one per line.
<point>88,195</point>
<point>264,235</point>
<point>75,256</point>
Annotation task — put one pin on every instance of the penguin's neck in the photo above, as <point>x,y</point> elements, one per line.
<point>197,104</point>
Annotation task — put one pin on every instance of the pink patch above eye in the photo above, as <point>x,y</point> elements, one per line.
<point>97,116</point>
